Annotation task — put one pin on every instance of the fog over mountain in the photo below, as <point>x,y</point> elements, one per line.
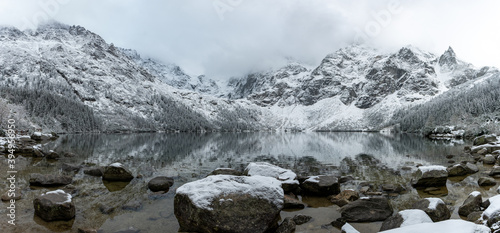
<point>224,38</point>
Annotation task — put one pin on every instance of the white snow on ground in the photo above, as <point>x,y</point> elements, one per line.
<point>347,228</point>
<point>424,169</point>
<point>203,192</point>
<point>60,192</point>
<point>267,169</point>
<point>433,202</point>
<point>493,209</point>
<point>452,225</point>
<point>412,217</point>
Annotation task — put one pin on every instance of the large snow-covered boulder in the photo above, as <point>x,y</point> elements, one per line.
<point>430,176</point>
<point>405,218</point>
<point>54,205</point>
<point>288,178</point>
<point>434,207</point>
<point>452,225</point>
<point>367,210</point>
<point>225,203</point>
<point>117,172</point>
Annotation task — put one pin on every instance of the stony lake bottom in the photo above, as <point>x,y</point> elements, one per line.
<point>373,159</point>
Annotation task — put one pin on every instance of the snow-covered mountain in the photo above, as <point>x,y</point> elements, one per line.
<point>354,88</point>
<point>74,64</point>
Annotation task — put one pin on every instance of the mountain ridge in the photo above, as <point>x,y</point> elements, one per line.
<point>353,88</point>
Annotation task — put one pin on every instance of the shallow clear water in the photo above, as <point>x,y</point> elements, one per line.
<point>370,157</point>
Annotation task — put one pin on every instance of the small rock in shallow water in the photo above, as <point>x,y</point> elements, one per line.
<point>457,170</point>
<point>367,210</point>
<point>287,226</point>
<point>160,183</point>
<point>321,185</point>
<point>106,209</point>
<point>37,179</point>
<point>116,172</point>
<point>93,171</point>
<point>133,205</point>
<point>430,176</point>
<point>292,203</point>
<point>489,159</point>
<point>300,219</point>
<point>12,196</point>
<point>486,181</point>
<point>54,205</point>
<point>338,223</point>
<point>344,197</point>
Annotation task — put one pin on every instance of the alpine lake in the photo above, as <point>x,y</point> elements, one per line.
<point>372,159</point>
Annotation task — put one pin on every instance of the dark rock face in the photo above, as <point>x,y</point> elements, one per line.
<point>287,226</point>
<point>233,211</point>
<point>300,219</point>
<point>430,178</point>
<point>367,210</point>
<point>117,173</point>
<point>471,204</point>
<point>345,197</point>
<point>37,179</point>
<point>457,170</point>
<point>486,181</point>
<point>437,213</point>
<point>55,205</point>
<point>95,171</point>
<point>392,222</point>
<point>484,139</point>
<point>321,185</point>
<point>225,171</point>
<point>160,183</point>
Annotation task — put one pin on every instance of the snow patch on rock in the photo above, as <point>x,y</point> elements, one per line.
<point>412,217</point>
<point>203,192</point>
<point>434,202</point>
<point>424,169</point>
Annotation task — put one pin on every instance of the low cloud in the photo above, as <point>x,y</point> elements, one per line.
<point>224,38</point>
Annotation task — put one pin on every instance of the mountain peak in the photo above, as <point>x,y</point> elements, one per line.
<point>448,58</point>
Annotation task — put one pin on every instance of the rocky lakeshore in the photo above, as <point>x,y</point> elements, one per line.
<point>63,193</point>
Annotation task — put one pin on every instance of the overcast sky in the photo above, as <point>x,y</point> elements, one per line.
<point>222,38</point>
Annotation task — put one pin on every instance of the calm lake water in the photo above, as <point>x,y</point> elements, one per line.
<point>370,157</point>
